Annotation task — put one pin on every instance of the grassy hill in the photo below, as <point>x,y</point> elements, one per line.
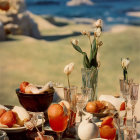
<point>39,61</point>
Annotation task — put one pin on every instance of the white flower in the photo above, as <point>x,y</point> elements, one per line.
<point>75,41</point>
<point>98,32</point>
<point>69,68</point>
<point>125,63</point>
<point>98,23</point>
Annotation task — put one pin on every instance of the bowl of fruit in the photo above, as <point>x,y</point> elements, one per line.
<point>99,108</point>
<point>35,98</point>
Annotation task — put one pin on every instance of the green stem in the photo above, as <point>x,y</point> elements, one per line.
<point>125,74</point>
<point>68,81</point>
<point>59,135</point>
<point>90,41</point>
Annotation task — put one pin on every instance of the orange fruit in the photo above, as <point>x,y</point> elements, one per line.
<point>107,132</point>
<point>8,118</point>
<point>100,105</point>
<point>91,107</point>
<point>108,121</point>
<point>55,111</point>
<point>2,111</point>
<point>122,107</point>
<point>58,120</point>
<point>23,86</point>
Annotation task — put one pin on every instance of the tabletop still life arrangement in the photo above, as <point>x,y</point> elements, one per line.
<point>80,114</point>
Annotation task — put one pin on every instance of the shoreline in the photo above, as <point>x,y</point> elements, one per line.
<point>60,22</point>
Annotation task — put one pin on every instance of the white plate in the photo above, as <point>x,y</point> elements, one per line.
<point>19,129</point>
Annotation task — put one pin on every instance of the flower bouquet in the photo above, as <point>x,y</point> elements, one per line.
<point>91,63</point>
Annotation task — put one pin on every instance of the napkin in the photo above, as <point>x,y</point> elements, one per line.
<point>113,100</point>
<point>58,94</point>
<point>3,107</point>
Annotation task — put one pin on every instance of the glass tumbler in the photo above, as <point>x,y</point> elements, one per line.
<point>70,96</point>
<point>130,131</point>
<point>125,89</point>
<point>134,96</point>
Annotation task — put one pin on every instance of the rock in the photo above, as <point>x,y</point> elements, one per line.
<point>11,28</point>
<point>5,19</point>
<point>2,32</point>
<point>4,5</point>
<point>17,19</point>
<point>42,23</point>
<point>17,6</point>
<point>27,26</point>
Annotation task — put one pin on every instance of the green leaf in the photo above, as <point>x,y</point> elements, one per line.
<point>93,54</point>
<point>86,60</point>
<point>92,50</point>
<point>77,48</point>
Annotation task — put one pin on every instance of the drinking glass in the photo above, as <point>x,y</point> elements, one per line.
<point>122,119</point>
<point>82,99</point>
<point>125,88</point>
<point>130,131</point>
<point>134,96</point>
<point>59,125</point>
<point>130,134</point>
<point>70,96</point>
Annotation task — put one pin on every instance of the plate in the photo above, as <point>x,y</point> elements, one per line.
<point>98,115</point>
<point>17,129</point>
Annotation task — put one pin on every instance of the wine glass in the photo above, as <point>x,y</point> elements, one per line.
<point>70,96</point>
<point>134,96</point>
<point>125,88</point>
<point>130,131</point>
<point>58,123</point>
<point>81,100</point>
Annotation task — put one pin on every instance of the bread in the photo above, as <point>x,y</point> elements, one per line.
<point>22,115</point>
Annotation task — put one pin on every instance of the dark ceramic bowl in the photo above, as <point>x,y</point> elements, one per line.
<point>35,102</point>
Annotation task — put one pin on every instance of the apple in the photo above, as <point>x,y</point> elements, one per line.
<point>8,118</point>
<point>2,111</point>
<point>23,86</point>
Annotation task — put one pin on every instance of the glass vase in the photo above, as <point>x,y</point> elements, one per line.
<point>89,80</point>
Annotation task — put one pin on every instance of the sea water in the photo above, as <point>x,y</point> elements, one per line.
<point>111,11</point>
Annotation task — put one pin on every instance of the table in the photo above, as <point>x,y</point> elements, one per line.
<point>29,135</point>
